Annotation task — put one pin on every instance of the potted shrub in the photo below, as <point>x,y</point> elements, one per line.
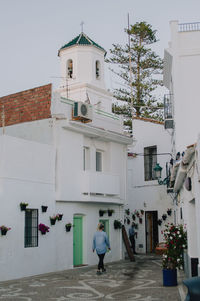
<point>127,211</point>
<point>110,212</point>
<point>4,229</point>
<point>117,224</point>
<point>176,241</point>
<point>43,228</point>
<point>23,206</point>
<point>169,211</point>
<point>68,227</point>
<point>164,216</point>
<point>59,216</point>
<point>101,212</point>
<point>44,208</point>
<point>159,222</point>
<point>53,219</point>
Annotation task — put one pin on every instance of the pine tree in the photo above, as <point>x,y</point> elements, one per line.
<point>146,67</point>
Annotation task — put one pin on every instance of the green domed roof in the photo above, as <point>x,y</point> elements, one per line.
<point>83,40</point>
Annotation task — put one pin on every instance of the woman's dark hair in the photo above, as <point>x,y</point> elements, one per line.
<point>101,226</point>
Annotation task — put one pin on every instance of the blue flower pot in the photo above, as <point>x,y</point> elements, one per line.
<point>169,277</point>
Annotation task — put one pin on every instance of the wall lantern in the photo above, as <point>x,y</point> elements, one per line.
<point>158,172</point>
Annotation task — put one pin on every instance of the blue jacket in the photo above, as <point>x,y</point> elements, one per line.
<point>100,242</point>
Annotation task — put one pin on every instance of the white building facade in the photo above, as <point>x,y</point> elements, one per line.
<point>75,166</point>
<point>181,77</point>
<point>144,194</point>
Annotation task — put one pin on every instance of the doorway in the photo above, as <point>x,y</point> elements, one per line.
<point>151,218</point>
<point>78,240</point>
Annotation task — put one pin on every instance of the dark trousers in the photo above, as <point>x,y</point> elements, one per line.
<point>132,240</point>
<point>101,257</point>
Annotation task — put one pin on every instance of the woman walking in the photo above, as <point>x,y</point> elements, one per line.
<point>100,244</point>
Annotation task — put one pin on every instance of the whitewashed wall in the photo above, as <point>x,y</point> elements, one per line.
<point>148,195</point>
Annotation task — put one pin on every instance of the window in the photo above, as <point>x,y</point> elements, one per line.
<point>86,158</point>
<point>150,160</point>
<point>69,68</point>
<point>97,69</point>
<point>98,161</point>
<point>31,228</point>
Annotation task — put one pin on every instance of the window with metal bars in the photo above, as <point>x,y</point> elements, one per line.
<point>31,228</point>
<point>150,160</point>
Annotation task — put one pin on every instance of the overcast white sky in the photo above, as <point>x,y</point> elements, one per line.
<point>32,31</point>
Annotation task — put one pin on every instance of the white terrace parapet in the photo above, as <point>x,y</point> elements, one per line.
<point>62,108</point>
<point>182,27</point>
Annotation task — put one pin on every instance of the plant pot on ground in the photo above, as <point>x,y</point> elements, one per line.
<point>44,208</point>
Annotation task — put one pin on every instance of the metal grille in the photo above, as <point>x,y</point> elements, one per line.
<point>168,106</point>
<point>31,228</point>
<point>150,160</point>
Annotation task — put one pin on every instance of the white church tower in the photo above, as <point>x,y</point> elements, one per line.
<point>82,72</point>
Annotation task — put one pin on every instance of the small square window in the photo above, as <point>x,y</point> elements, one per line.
<point>31,228</point>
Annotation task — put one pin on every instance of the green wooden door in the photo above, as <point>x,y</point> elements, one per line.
<point>78,240</point>
<point>105,222</point>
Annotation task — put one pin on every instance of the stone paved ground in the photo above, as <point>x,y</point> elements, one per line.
<point>124,280</point>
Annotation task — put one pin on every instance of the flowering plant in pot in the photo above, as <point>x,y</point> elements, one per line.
<point>159,222</point>
<point>59,216</point>
<point>4,229</point>
<point>53,219</point>
<point>68,227</point>
<point>117,224</point>
<point>43,228</point>
<point>23,206</point>
<point>127,211</point>
<point>176,241</point>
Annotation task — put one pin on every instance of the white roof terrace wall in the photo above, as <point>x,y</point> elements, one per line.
<point>148,195</point>
<point>184,48</point>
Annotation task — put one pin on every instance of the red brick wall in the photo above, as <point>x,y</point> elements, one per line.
<point>29,105</point>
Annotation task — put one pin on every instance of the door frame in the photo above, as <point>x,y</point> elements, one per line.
<point>80,242</point>
<point>154,229</point>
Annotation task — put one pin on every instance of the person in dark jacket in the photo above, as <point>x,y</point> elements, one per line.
<point>132,236</point>
<point>100,244</point>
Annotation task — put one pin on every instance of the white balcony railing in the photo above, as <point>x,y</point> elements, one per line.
<point>100,183</point>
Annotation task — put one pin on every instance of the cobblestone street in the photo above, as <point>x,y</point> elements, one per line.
<point>124,280</point>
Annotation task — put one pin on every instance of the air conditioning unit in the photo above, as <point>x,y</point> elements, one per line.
<point>82,110</point>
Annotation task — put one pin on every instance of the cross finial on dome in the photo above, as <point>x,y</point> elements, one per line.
<point>82,26</point>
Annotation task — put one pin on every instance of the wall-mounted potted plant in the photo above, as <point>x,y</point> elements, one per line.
<point>164,216</point>
<point>59,216</point>
<point>159,222</point>
<point>128,221</point>
<point>117,224</point>
<point>133,217</point>
<point>137,213</point>
<point>101,212</point>
<point>140,220</point>
<point>23,206</point>
<point>169,211</point>
<point>43,228</point>
<point>110,212</point>
<point>135,226</point>
<point>127,211</point>
<point>44,208</point>
<point>68,227</point>
<point>53,219</point>
<point>142,211</point>
<point>4,229</point>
